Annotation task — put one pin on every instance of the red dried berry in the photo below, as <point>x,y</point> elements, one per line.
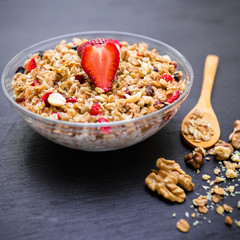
<point>104,129</point>
<point>71,99</point>
<point>81,78</point>
<point>166,77</point>
<point>173,97</point>
<point>96,109</point>
<point>35,82</point>
<point>174,64</point>
<point>45,99</point>
<point>58,116</point>
<point>150,90</point>
<point>31,65</point>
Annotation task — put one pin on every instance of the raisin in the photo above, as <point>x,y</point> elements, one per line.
<point>81,78</point>
<point>75,47</point>
<point>150,91</point>
<point>40,53</point>
<point>21,70</point>
<point>155,69</point>
<point>177,77</point>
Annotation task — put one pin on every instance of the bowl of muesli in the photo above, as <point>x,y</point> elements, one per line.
<point>98,91</point>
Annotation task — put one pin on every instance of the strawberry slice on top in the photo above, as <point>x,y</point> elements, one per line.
<point>100,62</point>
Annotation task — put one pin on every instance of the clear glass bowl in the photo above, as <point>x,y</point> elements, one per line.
<point>91,136</point>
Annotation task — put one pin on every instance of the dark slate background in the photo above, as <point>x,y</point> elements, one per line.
<point>51,192</point>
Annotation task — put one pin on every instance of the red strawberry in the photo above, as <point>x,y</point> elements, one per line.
<point>96,109</point>
<point>97,41</point>
<point>104,129</point>
<point>71,99</point>
<point>31,65</point>
<point>173,97</point>
<point>166,77</point>
<point>35,82</point>
<point>45,99</point>
<point>100,62</point>
<point>58,116</point>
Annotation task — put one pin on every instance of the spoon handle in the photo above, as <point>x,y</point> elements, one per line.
<point>209,73</point>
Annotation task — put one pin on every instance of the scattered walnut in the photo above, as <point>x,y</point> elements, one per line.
<point>218,190</point>
<point>183,225</point>
<point>235,135</point>
<point>227,208</point>
<point>223,150</point>
<point>216,198</point>
<point>220,210</point>
<point>166,179</point>
<point>205,177</point>
<point>203,209</point>
<point>231,174</point>
<point>231,189</point>
<point>216,171</point>
<point>238,223</point>
<point>235,157</point>
<point>228,220</point>
<point>219,179</point>
<point>200,201</point>
<point>195,159</point>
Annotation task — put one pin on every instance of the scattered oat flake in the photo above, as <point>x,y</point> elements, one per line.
<point>196,223</point>
<point>220,210</point>
<point>182,225</point>
<point>174,215</point>
<point>187,214</point>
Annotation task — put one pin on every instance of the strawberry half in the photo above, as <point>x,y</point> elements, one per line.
<point>100,62</point>
<point>97,41</point>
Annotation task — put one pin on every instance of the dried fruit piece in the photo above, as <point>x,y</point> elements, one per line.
<point>45,99</point>
<point>183,225</point>
<point>56,100</point>
<point>21,70</point>
<point>177,77</point>
<point>100,62</point>
<point>35,82</point>
<point>166,179</point>
<point>228,220</point>
<point>166,77</point>
<point>81,78</point>
<point>96,109</point>
<point>104,129</point>
<point>150,91</point>
<point>71,99</point>
<point>173,97</point>
<point>31,65</point>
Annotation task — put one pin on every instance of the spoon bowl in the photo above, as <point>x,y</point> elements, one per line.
<point>205,106</point>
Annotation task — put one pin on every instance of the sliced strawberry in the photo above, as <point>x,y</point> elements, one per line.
<point>35,82</point>
<point>71,99</point>
<point>104,129</point>
<point>173,97</point>
<point>45,99</point>
<point>100,62</point>
<point>31,65</point>
<point>166,77</point>
<point>97,41</point>
<point>96,109</point>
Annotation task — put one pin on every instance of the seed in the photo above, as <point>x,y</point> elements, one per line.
<point>183,225</point>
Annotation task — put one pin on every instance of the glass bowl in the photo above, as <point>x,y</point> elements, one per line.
<point>93,136</point>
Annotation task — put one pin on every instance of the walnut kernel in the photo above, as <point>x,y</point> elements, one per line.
<point>200,201</point>
<point>228,220</point>
<point>235,135</point>
<point>223,150</point>
<point>183,225</point>
<point>220,210</point>
<point>227,208</point>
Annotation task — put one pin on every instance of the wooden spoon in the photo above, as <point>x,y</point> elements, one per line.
<point>204,104</point>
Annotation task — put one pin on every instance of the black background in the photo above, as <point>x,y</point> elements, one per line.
<point>52,192</point>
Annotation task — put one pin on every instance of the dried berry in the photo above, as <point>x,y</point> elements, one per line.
<point>150,91</point>
<point>155,69</point>
<point>58,116</point>
<point>21,70</point>
<point>96,109</point>
<point>41,53</point>
<point>35,82</point>
<point>81,78</point>
<point>176,76</point>
<point>166,77</point>
<point>173,97</point>
<point>31,65</point>
<point>75,47</point>
<point>45,99</point>
<point>174,64</point>
<point>71,99</point>
<point>20,99</point>
<point>104,129</point>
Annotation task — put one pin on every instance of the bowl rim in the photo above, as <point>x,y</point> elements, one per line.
<point>104,124</point>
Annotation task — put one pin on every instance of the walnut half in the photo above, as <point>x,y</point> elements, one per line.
<point>165,180</point>
<point>195,159</point>
<point>235,135</point>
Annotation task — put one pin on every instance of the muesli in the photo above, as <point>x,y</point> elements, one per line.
<point>58,84</point>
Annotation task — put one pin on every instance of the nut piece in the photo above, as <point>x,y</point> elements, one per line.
<point>218,190</point>
<point>231,174</point>
<point>223,150</point>
<point>195,159</point>
<point>220,210</point>
<point>200,201</point>
<point>235,157</point>
<point>227,208</point>
<point>238,204</point>
<point>183,225</point>
<point>231,188</point>
<point>165,180</point>
<point>216,171</point>
<point>203,209</point>
<point>56,100</point>
<point>238,223</point>
<point>235,135</point>
<point>205,177</point>
<point>228,220</point>
<point>216,198</point>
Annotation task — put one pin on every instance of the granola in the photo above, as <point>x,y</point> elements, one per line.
<point>145,82</point>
